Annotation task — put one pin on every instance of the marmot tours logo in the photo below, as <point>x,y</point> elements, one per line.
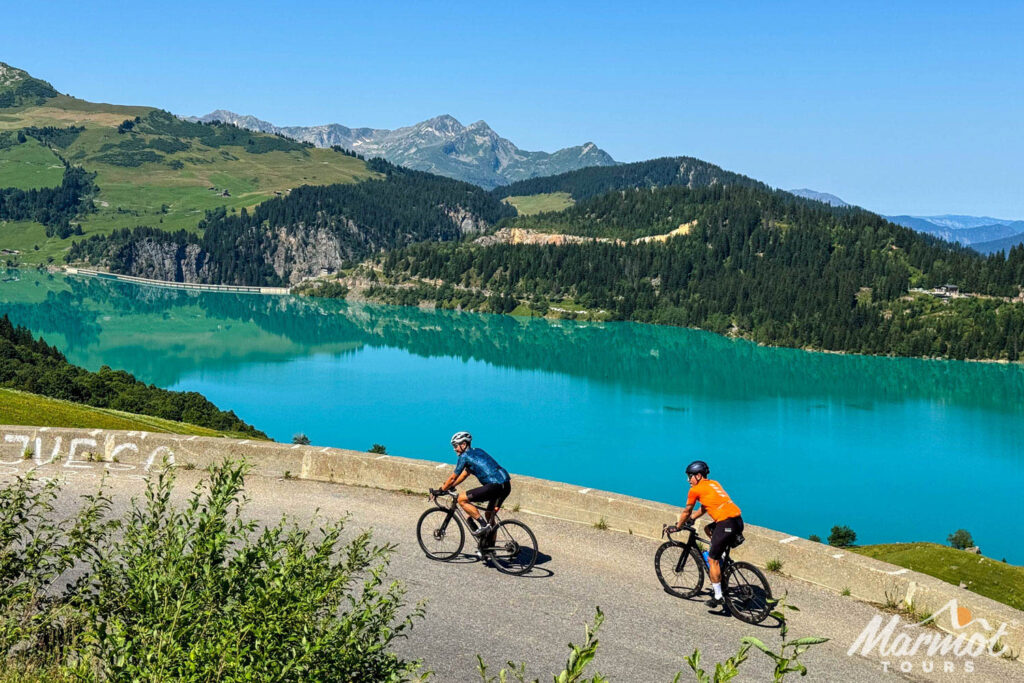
<point>906,647</point>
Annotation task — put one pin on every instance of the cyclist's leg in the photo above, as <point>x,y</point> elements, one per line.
<point>495,503</point>
<point>721,536</point>
<point>481,493</point>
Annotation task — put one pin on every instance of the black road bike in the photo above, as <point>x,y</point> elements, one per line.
<point>510,545</point>
<point>681,567</point>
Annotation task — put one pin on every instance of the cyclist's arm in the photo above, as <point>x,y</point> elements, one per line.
<point>454,480</point>
<point>685,514</point>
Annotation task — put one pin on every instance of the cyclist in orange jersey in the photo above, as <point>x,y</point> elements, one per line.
<point>727,522</point>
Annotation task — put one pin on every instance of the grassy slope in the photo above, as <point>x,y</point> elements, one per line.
<point>983,575</point>
<point>29,166</point>
<point>21,408</point>
<point>527,205</point>
<point>137,196</point>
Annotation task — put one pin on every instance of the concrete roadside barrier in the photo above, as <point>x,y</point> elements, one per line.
<point>135,454</point>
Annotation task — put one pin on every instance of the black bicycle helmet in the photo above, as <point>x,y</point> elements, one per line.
<point>698,467</point>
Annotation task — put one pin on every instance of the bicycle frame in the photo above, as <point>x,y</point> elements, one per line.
<point>694,541</point>
<point>455,509</point>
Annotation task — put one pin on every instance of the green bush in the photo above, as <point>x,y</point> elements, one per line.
<point>196,592</point>
<point>842,536</point>
<point>379,448</point>
<point>300,439</point>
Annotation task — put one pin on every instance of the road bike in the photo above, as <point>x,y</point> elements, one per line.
<point>681,567</point>
<point>510,546</point>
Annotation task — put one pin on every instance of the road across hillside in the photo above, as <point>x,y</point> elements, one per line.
<point>532,618</point>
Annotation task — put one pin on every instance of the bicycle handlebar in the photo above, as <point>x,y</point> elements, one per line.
<point>665,529</point>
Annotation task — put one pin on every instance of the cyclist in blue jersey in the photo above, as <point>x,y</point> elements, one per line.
<point>495,481</point>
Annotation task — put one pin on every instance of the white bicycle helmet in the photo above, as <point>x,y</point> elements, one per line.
<point>461,437</point>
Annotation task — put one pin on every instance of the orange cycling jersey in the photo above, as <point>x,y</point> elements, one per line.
<point>714,499</point>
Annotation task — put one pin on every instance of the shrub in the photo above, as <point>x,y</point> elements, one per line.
<point>378,448</point>
<point>774,565</point>
<point>196,592</point>
<point>300,439</point>
<point>814,537</point>
<point>960,539</point>
<point>842,536</point>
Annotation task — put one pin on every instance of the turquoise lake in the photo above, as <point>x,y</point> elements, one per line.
<point>898,449</point>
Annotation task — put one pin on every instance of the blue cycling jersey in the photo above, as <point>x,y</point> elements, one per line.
<point>481,466</point>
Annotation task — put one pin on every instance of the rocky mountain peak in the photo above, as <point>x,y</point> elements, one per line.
<point>441,145</point>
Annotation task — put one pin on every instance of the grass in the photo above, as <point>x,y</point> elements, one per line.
<point>601,524</point>
<point>21,408</point>
<point>774,566</point>
<point>29,166</point>
<point>153,194</point>
<point>539,203</point>
<point>983,575</point>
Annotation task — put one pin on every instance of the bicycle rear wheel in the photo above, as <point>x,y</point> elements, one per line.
<point>681,574</point>
<point>441,536</point>
<point>747,593</point>
<point>513,547</point>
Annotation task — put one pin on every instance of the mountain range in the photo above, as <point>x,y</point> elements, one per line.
<point>441,145</point>
<point>984,234</point>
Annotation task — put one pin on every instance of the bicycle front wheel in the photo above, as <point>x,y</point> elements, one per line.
<point>513,547</point>
<point>681,573</point>
<point>747,593</point>
<point>440,534</point>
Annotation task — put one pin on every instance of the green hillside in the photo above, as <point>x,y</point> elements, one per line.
<point>754,263</point>
<point>150,167</point>
<point>22,408</point>
<point>586,183</point>
<point>983,575</point>
<point>528,205</point>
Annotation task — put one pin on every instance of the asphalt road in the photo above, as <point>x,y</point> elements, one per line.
<point>472,608</point>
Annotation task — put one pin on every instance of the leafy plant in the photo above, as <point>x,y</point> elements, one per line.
<point>814,537</point>
<point>601,524</point>
<point>201,593</point>
<point>773,565</point>
<point>191,592</point>
<point>300,439</point>
<point>36,549</point>
<point>724,671</point>
<point>575,665</point>
<point>378,448</point>
<point>787,659</point>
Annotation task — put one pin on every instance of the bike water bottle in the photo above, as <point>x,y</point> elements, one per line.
<point>706,563</point>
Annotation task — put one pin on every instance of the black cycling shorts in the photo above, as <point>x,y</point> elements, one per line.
<point>722,534</point>
<point>494,494</point>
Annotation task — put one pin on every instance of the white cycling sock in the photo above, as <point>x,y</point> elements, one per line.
<point>717,587</point>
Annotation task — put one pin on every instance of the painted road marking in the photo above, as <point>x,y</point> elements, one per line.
<point>442,466</point>
<point>789,540</point>
<point>837,555</point>
<point>381,457</point>
<point>192,438</point>
<point>325,449</point>
<point>584,490</point>
<point>95,432</point>
<point>295,446</point>
<point>44,429</point>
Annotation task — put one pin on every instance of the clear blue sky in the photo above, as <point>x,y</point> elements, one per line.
<point>910,107</point>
